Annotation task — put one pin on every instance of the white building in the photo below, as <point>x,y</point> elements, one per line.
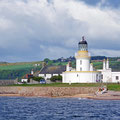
<point>107,74</point>
<point>48,71</point>
<point>24,80</point>
<point>84,72</point>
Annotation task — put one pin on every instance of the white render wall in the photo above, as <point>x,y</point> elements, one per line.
<point>85,64</point>
<point>24,80</point>
<point>45,76</point>
<point>81,77</point>
<point>48,76</point>
<point>114,74</point>
<point>55,74</point>
<point>107,75</point>
<point>41,75</point>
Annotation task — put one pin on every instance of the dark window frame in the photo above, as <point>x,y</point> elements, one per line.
<point>117,77</point>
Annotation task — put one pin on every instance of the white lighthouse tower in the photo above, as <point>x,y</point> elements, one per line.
<point>82,56</point>
<point>84,72</point>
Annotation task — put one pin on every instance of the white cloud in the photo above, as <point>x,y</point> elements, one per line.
<point>38,25</point>
<point>5,24</point>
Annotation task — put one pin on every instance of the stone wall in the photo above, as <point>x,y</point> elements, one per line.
<point>8,82</point>
<point>47,91</point>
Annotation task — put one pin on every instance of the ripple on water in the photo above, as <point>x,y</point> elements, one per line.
<point>21,108</point>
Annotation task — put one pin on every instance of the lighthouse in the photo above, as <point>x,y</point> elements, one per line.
<point>82,56</point>
<point>84,72</point>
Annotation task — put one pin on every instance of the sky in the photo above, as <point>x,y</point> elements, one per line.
<point>32,30</point>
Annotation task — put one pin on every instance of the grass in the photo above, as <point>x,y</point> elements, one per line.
<point>59,63</point>
<point>18,66</point>
<point>97,65</point>
<point>17,70</point>
<point>61,85</point>
<point>111,86</point>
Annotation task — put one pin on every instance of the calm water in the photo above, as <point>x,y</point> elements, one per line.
<point>20,108</point>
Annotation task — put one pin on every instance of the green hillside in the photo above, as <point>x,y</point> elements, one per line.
<point>115,65</point>
<point>17,70</point>
<point>16,67</point>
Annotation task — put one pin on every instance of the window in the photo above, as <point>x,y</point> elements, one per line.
<point>102,76</point>
<point>80,62</point>
<point>117,77</point>
<point>97,78</point>
<point>80,69</point>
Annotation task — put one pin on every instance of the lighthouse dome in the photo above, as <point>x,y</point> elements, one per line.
<point>82,45</point>
<point>83,42</point>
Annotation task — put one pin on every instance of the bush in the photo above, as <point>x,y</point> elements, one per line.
<point>46,60</point>
<point>37,78</point>
<point>55,78</point>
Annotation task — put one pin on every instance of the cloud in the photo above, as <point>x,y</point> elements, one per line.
<point>52,52</point>
<point>34,29</point>
<point>105,52</point>
<point>5,24</point>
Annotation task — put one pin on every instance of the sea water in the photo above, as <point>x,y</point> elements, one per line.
<point>23,108</point>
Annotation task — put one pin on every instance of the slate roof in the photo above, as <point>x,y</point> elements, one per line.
<point>53,70</point>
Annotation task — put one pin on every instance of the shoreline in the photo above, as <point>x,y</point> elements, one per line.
<point>59,92</point>
<point>109,95</point>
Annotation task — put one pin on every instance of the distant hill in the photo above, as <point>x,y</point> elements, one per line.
<point>96,60</point>
<point>3,62</point>
<point>18,70</point>
<point>92,58</point>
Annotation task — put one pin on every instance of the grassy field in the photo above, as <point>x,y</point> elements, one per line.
<point>112,86</point>
<point>62,85</point>
<point>115,65</point>
<point>98,65</point>
<point>18,66</point>
<point>17,70</point>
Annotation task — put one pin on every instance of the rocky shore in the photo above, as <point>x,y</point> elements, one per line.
<point>46,91</point>
<point>109,95</point>
<point>59,92</point>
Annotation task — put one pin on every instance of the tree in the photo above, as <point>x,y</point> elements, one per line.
<point>46,60</point>
<point>38,78</point>
<point>55,78</point>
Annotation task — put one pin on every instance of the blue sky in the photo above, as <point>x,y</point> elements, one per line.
<point>31,30</point>
<point>109,3</point>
